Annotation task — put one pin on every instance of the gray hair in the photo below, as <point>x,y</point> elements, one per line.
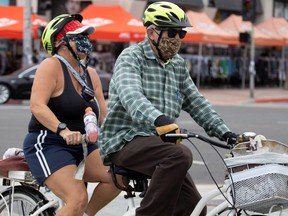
<point>151,27</point>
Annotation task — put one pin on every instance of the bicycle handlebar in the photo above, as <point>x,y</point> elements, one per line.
<point>200,137</point>
<point>85,139</point>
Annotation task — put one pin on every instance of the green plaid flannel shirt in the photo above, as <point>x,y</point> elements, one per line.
<point>142,89</point>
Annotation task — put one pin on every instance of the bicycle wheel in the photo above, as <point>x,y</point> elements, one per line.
<point>26,200</point>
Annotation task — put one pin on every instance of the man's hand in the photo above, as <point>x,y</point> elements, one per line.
<point>166,129</point>
<point>230,138</point>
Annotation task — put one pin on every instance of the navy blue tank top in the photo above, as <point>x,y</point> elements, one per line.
<point>69,107</point>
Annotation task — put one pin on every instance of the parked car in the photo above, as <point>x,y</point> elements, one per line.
<point>17,85</point>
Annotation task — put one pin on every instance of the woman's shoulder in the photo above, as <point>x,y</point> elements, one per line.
<point>93,74</point>
<point>50,60</point>
<point>49,65</point>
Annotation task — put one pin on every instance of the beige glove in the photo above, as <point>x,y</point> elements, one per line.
<point>166,129</point>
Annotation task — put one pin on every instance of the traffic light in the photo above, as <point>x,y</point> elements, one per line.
<point>43,6</point>
<point>244,37</point>
<point>248,10</point>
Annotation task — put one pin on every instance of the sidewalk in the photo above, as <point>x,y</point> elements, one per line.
<point>232,96</point>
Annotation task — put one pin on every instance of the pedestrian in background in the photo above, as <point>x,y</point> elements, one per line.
<point>35,57</point>
<point>149,88</point>
<point>73,6</point>
<point>64,86</point>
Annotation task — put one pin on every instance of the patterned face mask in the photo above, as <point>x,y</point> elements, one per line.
<point>83,44</point>
<point>169,47</point>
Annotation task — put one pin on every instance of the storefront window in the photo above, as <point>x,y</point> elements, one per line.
<point>281,9</point>
<point>68,6</point>
<point>211,3</point>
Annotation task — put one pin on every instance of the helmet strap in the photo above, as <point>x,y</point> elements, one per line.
<point>80,62</point>
<point>69,47</point>
<point>157,45</point>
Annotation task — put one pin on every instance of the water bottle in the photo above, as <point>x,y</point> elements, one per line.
<point>91,127</point>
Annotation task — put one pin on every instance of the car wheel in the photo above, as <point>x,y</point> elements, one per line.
<point>4,94</point>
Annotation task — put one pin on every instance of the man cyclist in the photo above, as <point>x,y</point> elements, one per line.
<point>149,88</point>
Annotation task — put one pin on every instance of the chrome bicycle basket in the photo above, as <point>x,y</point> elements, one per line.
<point>258,189</point>
<point>260,178</point>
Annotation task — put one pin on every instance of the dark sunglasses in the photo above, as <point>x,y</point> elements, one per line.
<point>173,32</point>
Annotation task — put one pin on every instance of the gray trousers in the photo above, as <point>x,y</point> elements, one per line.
<point>171,191</point>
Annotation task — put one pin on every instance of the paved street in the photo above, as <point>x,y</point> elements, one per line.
<point>15,116</point>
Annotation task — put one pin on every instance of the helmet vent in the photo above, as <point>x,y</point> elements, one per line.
<point>161,18</point>
<point>55,23</point>
<point>166,6</point>
<point>151,10</point>
<point>174,15</point>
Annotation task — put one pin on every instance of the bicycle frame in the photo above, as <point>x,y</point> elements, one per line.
<point>20,177</point>
<point>50,204</point>
<point>226,190</point>
<point>27,180</point>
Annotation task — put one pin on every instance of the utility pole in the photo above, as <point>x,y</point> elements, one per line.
<point>27,35</point>
<point>249,14</point>
<point>199,66</point>
<point>252,64</point>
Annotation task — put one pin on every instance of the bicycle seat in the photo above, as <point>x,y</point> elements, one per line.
<point>140,180</point>
<point>15,163</point>
<point>131,174</point>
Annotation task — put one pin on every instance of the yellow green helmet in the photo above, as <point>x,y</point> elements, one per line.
<point>54,27</point>
<point>165,15</point>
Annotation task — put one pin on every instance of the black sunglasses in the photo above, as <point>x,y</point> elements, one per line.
<point>173,32</point>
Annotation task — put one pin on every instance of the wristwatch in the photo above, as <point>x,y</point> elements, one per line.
<point>61,126</point>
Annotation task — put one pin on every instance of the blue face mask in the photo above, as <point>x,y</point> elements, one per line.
<point>83,44</point>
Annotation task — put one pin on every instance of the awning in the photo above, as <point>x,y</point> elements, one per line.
<point>235,5</point>
<point>192,3</point>
<point>275,27</point>
<point>234,25</point>
<point>12,22</point>
<point>113,23</point>
<point>207,31</point>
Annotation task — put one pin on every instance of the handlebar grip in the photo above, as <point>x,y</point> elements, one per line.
<point>213,142</point>
<point>84,139</point>
<point>198,136</point>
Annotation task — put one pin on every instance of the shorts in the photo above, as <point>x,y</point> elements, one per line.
<point>46,152</point>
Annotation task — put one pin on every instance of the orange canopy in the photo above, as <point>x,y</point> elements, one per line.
<point>234,25</point>
<point>275,28</point>
<point>206,31</point>
<point>113,23</point>
<point>12,22</point>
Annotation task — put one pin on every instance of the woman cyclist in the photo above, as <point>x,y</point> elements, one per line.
<point>63,87</point>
